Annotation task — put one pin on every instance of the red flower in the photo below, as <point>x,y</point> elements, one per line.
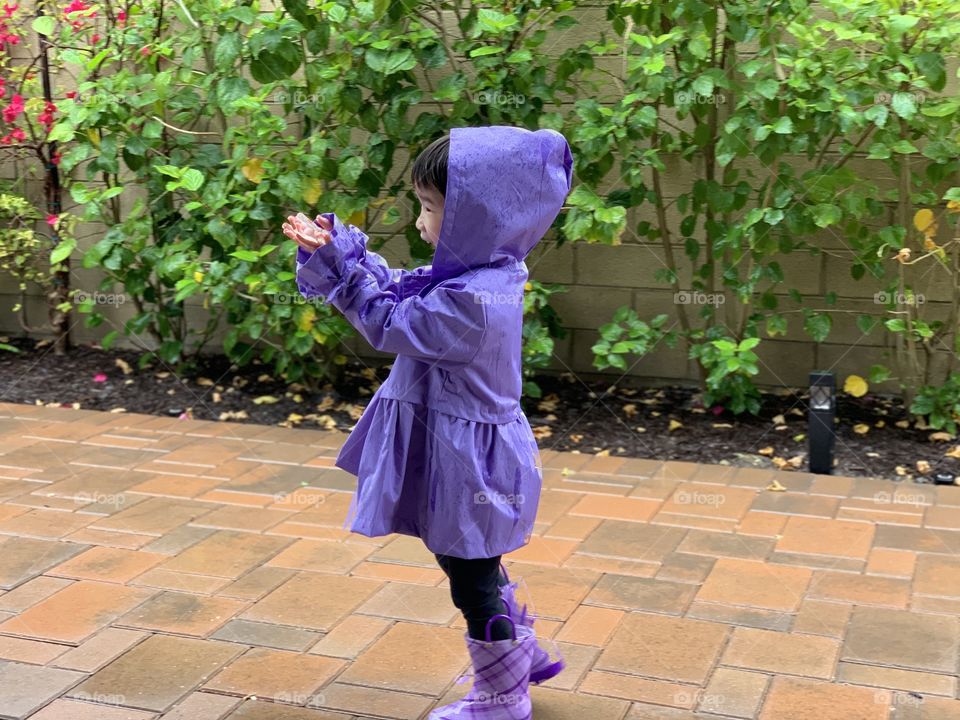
<point>10,9</point>
<point>145,50</point>
<point>52,220</point>
<point>72,94</point>
<point>56,158</point>
<point>95,39</point>
<point>122,17</point>
<point>19,134</point>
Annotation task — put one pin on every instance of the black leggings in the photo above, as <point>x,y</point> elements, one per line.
<point>474,588</point>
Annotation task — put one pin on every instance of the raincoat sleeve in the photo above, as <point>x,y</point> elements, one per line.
<point>446,326</point>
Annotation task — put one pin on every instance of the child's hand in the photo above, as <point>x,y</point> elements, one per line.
<point>307,234</point>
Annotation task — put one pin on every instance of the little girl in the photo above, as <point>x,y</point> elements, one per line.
<point>443,451</point>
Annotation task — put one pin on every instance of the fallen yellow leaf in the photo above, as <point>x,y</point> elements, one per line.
<point>923,467</point>
<point>766,450</point>
<point>265,400</point>
<point>941,436</point>
<point>953,452</point>
<point>123,365</point>
<point>855,385</point>
<point>861,428</point>
<point>674,424</point>
<point>775,486</point>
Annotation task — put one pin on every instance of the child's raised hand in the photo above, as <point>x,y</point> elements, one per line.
<point>305,233</point>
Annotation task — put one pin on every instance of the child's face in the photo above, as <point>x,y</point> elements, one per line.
<point>431,214</point>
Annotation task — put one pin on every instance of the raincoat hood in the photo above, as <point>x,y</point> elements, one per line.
<point>505,186</point>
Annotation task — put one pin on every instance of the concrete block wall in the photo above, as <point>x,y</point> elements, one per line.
<point>600,279</point>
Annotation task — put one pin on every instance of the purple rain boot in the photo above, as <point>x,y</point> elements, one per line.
<point>542,668</point>
<point>500,682</point>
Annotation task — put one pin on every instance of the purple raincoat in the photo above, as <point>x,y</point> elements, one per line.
<point>443,450</point>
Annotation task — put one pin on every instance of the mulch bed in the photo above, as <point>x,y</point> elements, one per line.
<point>573,414</point>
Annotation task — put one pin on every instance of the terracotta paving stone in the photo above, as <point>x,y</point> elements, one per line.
<point>880,636</point>
<point>695,522</point>
<point>844,538</point>
<point>312,600</point>
<point>733,615</point>
<point>572,528</point>
<point>547,551</point>
<point>779,652</point>
<point>290,677</point>
<point>579,659</point>
<point>405,550</point>
<point>31,592</point>
<point>398,573</point>
<point>802,699</point>
<point>179,539</point>
<point>709,501</point>
<point>819,562</point>
<point>788,503</point>
<point>226,553</point>
<point>763,524</point>
<point>206,454</point>
<point>760,478</point>
<point>351,636</point>
<point>202,706</point>
<point>638,689</point>
<point>257,583</point>
<point>107,564</point>
<point>590,625</point>
<point>300,499</point>
<point>633,593</point>
<point>918,539</point>
<point>642,711</point>
<point>243,518</point>
<point>617,508</point>
<point>664,647</point>
<point>321,556</point>
<point>559,705</point>
<point>257,710</point>
<point>612,565</point>
<point>860,589</point>
<point>153,676</point>
<point>182,613</point>
<point>937,575</point>
<point>700,542</point>
<point>891,563</point>
<point>44,524</point>
<point>75,612</point>
<point>925,604</point>
<point>734,692</point>
<point>819,617</point>
<point>385,703</point>
<point>654,488</point>
<point>630,541</point>
<point>755,584</point>
<point>174,486</point>
<point>832,485</point>
<point>684,567</point>
<point>226,496</point>
<point>78,710</point>
<point>185,582</point>
<point>108,538</point>
<point>410,658</point>
<point>947,518</point>
<point>24,688</point>
<point>311,532</point>
<point>29,651</point>
<point>895,679</point>
<point>104,647</point>
<point>280,637</point>
<point>154,516</point>
<point>552,592</point>
<point>402,601</point>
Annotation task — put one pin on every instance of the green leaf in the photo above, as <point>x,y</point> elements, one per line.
<point>62,251</point>
<point>227,50</point>
<point>904,146</point>
<point>934,69</point>
<point>44,25</point>
<point>350,170</point>
<point>899,24</point>
<point>783,126</point>
<point>486,50</point>
<point>192,179</point>
<point>390,62</point>
<point>904,105</point>
<point>826,214</point>
<point>246,255</point>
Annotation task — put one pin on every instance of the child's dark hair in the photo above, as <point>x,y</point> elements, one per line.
<point>430,167</point>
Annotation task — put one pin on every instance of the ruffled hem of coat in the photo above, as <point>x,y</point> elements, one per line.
<point>466,488</point>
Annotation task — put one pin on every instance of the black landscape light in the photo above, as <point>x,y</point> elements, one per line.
<point>823,407</point>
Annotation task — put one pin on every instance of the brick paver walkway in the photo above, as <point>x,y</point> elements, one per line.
<point>188,570</point>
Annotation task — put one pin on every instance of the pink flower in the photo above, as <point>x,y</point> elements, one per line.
<point>122,17</point>
<point>19,134</point>
<point>99,378</point>
<point>145,50</point>
<point>95,39</point>
<point>56,158</point>
<point>10,9</point>
<point>52,220</point>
